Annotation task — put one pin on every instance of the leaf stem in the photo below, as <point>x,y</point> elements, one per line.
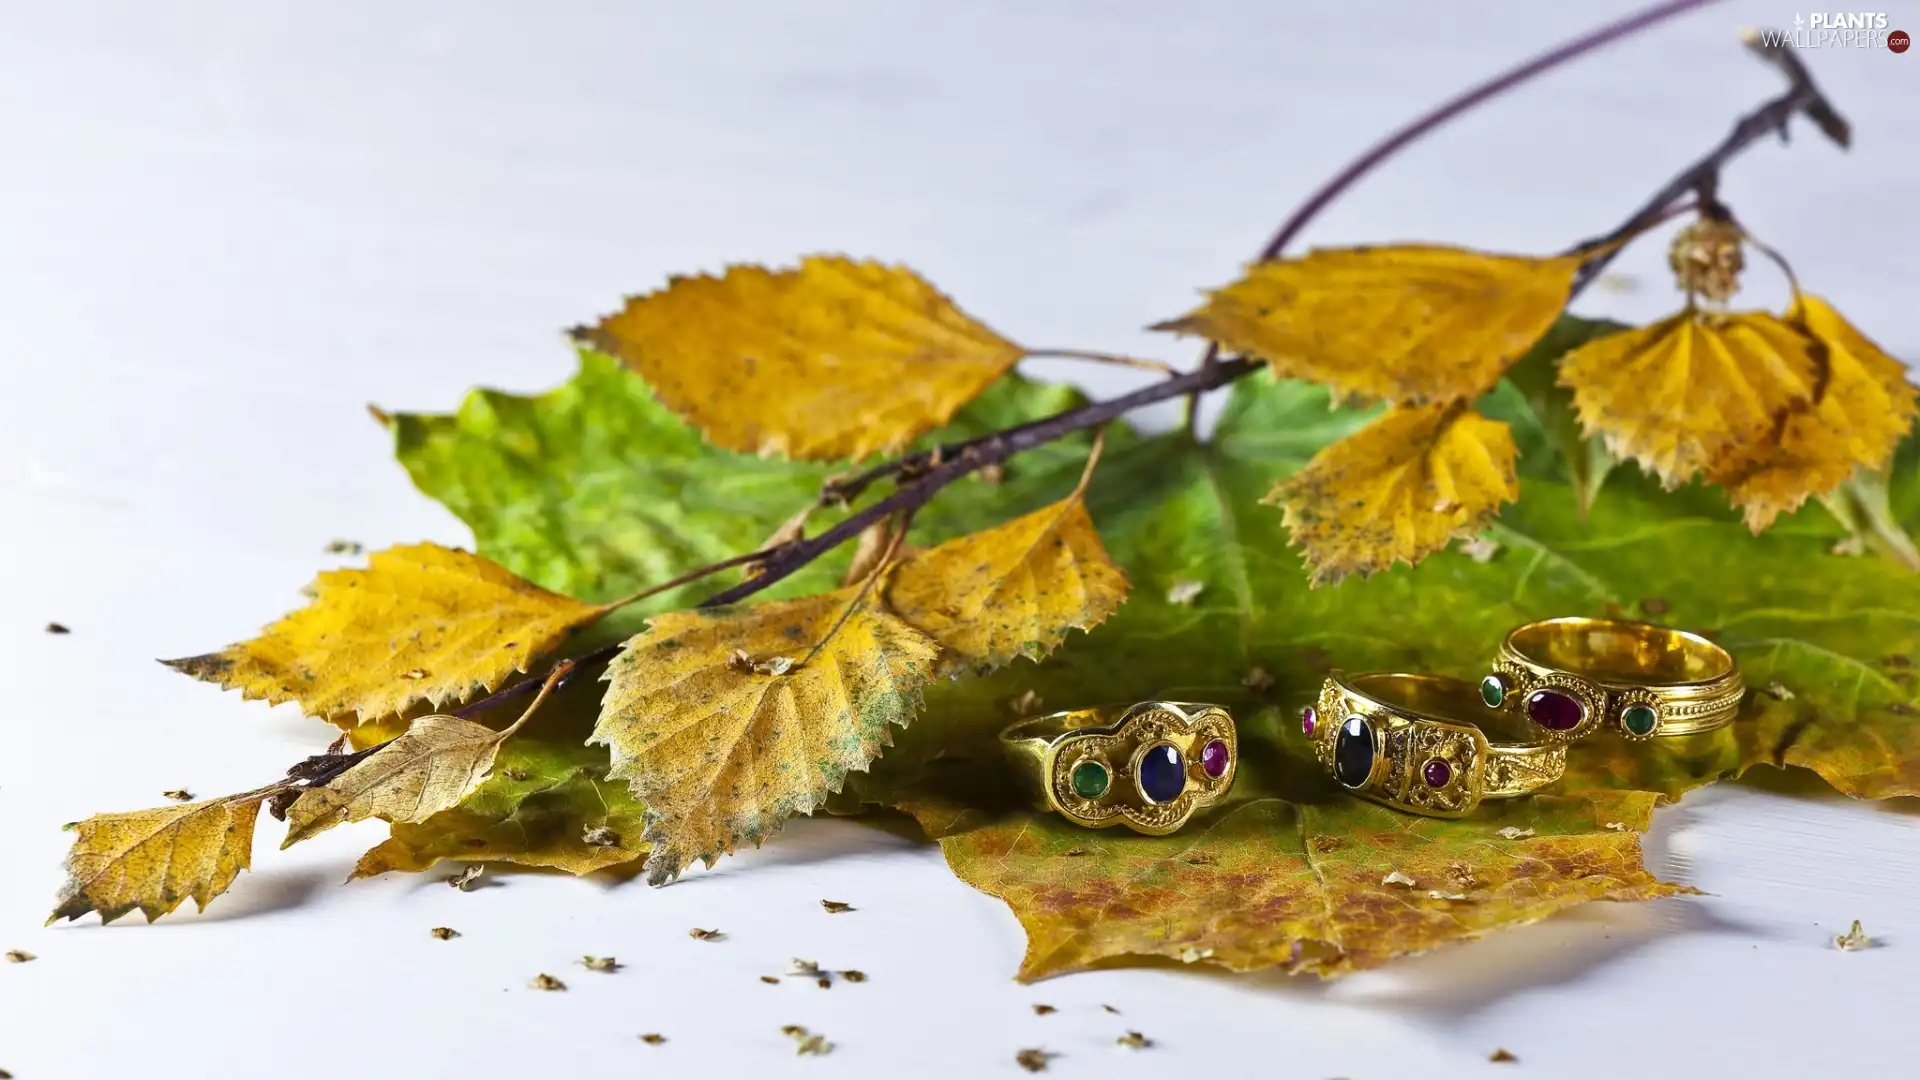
<point>1105,358</point>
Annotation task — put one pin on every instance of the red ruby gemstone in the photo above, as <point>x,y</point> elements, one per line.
<point>1554,710</point>
<point>1437,773</point>
<point>1307,720</point>
<point>1213,758</point>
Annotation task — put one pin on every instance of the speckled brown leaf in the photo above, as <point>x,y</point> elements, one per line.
<point>1399,489</point>
<point>723,751</point>
<point>1412,323</point>
<point>1012,590</point>
<point>836,358</point>
<point>421,624</point>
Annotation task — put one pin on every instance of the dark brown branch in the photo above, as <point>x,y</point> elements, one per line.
<point>1702,178</point>
<point>924,474</point>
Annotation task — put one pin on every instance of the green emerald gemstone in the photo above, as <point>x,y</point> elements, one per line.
<point>1090,779</point>
<point>1493,691</point>
<point>1638,719</point>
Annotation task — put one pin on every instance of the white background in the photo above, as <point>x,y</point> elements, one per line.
<point>225,228</point>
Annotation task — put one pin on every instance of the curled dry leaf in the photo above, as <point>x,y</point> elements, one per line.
<point>469,874</point>
<point>1860,408</point>
<point>1012,590</point>
<point>430,768</point>
<point>722,757</point>
<point>1412,323</point>
<point>1399,489</point>
<point>1691,390</point>
<point>155,859</point>
<point>834,359</point>
<point>464,624</point>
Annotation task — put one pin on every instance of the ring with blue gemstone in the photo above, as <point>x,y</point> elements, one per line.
<point>1570,677</point>
<point>1420,743</point>
<point>1148,765</point>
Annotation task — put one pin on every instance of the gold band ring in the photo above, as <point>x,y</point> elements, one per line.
<point>1568,676</point>
<point>1149,765</point>
<point>1414,742</point>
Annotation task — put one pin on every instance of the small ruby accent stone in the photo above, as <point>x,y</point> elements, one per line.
<point>1213,758</point>
<point>1437,773</point>
<point>1554,710</point>
<point>1307,720</point>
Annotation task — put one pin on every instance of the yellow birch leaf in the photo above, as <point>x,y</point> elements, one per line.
<point>835,359</point>
<point>422,623</point>
<point>1413,323</point>
<point>721,748</point>
<point>1865,406</point>
<point>426,770</point>
<point>1012,590</point>
<point>1691,389</point>
<point>1399,489</point>
<point>154,859</point>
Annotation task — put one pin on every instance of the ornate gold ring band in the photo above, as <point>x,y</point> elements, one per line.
<point>1569,676</point>
<point>1149,766</point>
<point>1415,743</point>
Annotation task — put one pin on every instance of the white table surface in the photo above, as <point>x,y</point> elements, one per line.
<point>226,227</point>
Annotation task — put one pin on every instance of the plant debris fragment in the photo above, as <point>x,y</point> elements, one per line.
<point>1183,593</point>
<point>20,956</point>
<point>835,907</point>
<point>653,1038</point>
<point>56,628</point>
<point>603,964</point>
<point>707,935</point>
<point>1134,1040</point>
<point>1034,1059</point>
<point>1854,939</point>
<point>1502,1055</point>
<point>1044,1010</point>
<point>465,878</point>
<point>178,795</point>
<point>444,933</point>
<point>544,981</point>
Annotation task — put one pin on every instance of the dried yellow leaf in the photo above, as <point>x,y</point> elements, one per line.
<point>1413,323</point>
<point>721,756</point>
<point>1399,489</point>
<point>1689,390</point>
<point>154,859</point>
<point>1865,406</point>
<point>834,359</point>
<point>429,769</point>
<point>1012,590</point>
<point>421,623</point>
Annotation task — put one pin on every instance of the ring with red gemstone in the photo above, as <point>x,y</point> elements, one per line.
<point>1570,677</point>
<point>1149,765</point>
<point>1420,743</point>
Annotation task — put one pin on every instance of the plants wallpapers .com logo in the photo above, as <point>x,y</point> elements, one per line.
<point>1842,30</point>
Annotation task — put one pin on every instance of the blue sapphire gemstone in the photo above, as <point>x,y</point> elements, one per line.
<point>1353,752</point>
<point>1162,774</point>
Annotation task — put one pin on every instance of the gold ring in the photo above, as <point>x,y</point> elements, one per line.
<point>1414,742</point>
<point>1149,765</point>
<point>1569,675</point>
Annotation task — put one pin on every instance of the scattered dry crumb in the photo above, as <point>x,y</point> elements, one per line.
<point>1398,878</point>
<point>1027,704</point>
<point>1184,593</point>
<point>178,795</point>
<point>1200,858</point>
<point>814,1044</point>
<point>56,628</point>
<point>604,964</point>
<point>5,1075</point>
<point>1897,660</point>
<point>778,665</point>
<point>544,981</point>
<point>770,980</point>
<point>1033,1059</point>
<point>416,674</point>
<point>1653,605</point>
<point>517,775</point>
<point>1325,845</point>
<point>1134,1040</point>
<point>600,836</point>
<point>1193,954</point>
<point>1111,1009</point>
<point>653,1038</point>
<point>835,907</point>
<point>444,933</point>
<point>991,474</point>
<point>1436,894</point>
<point>1854,939</point>
<point>1073,853</point>
<point>1900,708</point>
<point>1617,826</point>
<point>20,956</point>
<point>1480,549</point>
<point>824,982</point>
<point>1848,545</point>
<point>706,935</point>
<point>802,967</point>
<point>1259,680</point>
<point>1512,833</point>
<point>740,662</point>
<point>345,547</point>
<point>1779,691</point>
<point>1462,875</point>
<point>1503,1055</point>
<point>464,879</point>
<point>854,976</point>
<point>793,1031</point>
<point>1044,1010</point>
